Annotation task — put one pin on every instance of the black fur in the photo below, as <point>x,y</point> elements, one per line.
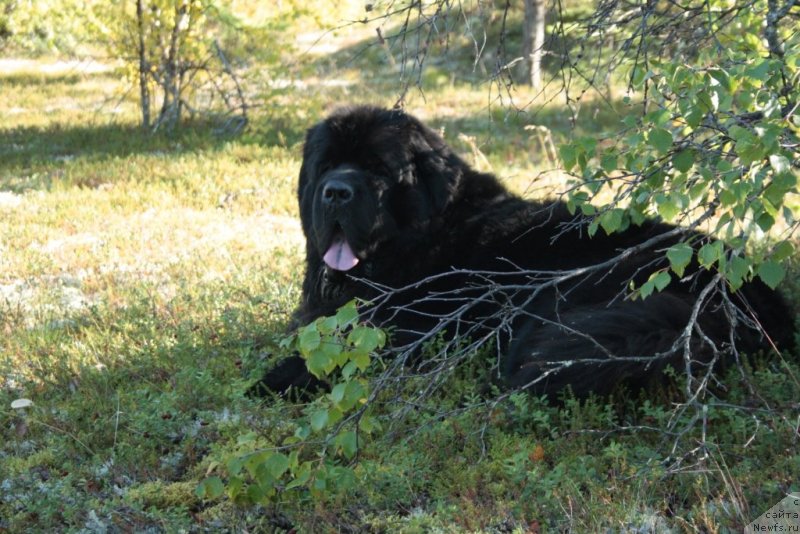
<point>410,208</point>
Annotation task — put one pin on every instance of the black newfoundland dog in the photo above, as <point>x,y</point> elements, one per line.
<point>392,215</point>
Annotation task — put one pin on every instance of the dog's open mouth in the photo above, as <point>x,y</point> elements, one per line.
<point>340,255</point>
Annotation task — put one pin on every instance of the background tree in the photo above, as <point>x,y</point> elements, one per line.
<point>533,37</point>
<point>175,54</point>
<point>42,27</point>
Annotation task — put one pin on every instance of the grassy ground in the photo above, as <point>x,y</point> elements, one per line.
<point>145,280</point>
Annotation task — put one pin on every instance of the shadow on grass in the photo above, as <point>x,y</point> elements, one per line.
<point>26,79</point>
<point>450,62</point>
<point>467,52</point>
<point>31,157</point>
<point>500,128</point>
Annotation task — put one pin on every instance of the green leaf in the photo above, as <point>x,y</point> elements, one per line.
<point>320,485</point>
<point>639,75</point>
<point>235,487</point>
<point>705,102</point>
<point>680,75</point>
<point>727,198</point>
<point>744,99</point>
<point>287,341</point>
<point>327,325</point>
<point>683,160</point>
<point>276,465</point>
<point>647,289</point>
<point>694,116</point>
<point>571,205</point>
<point>609,162</point>
<point>782,250</point>
<point>611,220</point>
<point>302,477</point>
<point>319,420</point>
<point>789,215</point>
<point>662,280</point>
<point>349,369</point>
<point>679,256</point>
<point>660,139</point>
<point>659,117</point>
<point>568,155</point>
<point>319,363</point>
<point>309,339</point>
<point>737,271</point>
<point>364,338</point>
<point>369,424</point>
<point>709,254</point>
<point>337,393</point>
<point>779,163</point>
<point>771,272</point>
<point>362,360</point>
<point>246,438</point>
<point>210,488</point>
<point>775,192</point>
<point>721,77</point>
<point>348,442</point>
<point>254,461</point>
<point>302,432</point>
<point>347,314</point>
<point>334,415</point>
<point>765,221</point>
<point>667,208</point>
<point>256,493</point>
<point>658,280</point>
<point>347,396</point>
<point>740,134</point>
<point>750,151</point>
<point>343,477</point>
<point>234,465</point>
<point>588,144</point>
<point>354,393</point>
<point>333,348</point>
<point>760,70</point>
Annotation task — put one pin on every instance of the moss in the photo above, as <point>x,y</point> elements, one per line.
<point>163,495</point>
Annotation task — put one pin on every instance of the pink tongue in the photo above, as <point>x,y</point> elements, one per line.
<point>340,256</point>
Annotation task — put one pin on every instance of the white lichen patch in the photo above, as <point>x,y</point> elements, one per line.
<point>9,200</point>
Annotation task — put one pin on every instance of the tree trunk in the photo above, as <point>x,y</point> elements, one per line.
<point>170,108</point>
<point>144,91</point>
<point>533,40</point>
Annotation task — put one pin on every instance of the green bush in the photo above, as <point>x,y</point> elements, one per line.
<point>327,436</point>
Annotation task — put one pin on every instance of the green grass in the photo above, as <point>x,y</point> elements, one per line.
<point>146,280</point>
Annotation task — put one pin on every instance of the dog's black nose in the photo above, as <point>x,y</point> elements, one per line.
<point>336,193</point>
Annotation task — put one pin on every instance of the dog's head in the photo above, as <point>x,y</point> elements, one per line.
<point>369,176</point>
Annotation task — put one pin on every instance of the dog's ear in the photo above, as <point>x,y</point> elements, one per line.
<point>314,150</point>
<point>438,168</point>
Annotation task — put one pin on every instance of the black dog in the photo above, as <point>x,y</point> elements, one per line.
<point>385,203</point>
